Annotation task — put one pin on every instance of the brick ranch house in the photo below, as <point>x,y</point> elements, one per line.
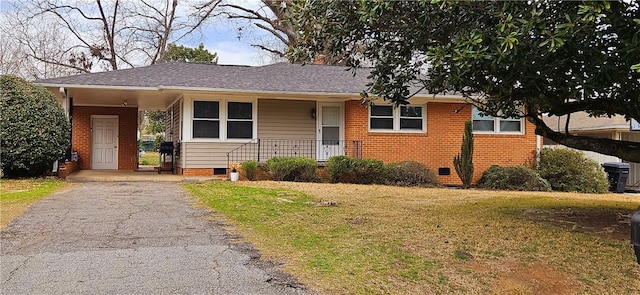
<point>222,113</point>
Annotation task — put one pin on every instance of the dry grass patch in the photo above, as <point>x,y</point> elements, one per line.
<point>150,158</point>
<point>381,239</point>
<point>16,195</point>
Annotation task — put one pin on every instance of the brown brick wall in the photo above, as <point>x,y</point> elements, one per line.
<point>437,147</point>
<point>66,168</point>
<point>127,134</point>
<point>196,171</point>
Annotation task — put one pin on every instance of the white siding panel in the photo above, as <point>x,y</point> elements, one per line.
<point>286,119</point>
<point>600,158</point>
<point>207,155</point>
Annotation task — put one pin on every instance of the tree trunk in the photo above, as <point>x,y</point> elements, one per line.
<point>626,150</point>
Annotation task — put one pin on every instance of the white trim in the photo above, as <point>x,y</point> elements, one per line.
<point>104,105</point>
<point>112,87</point>
<point>304,93</point>
<point>117,138</point>
<point>396,120</point>
<point>297,95</point>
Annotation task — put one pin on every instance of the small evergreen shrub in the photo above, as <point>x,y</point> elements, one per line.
<point>369,171</point>
<point>570,171</point>
<point>293,169</point>
<point>250,168</point>
<point>410,173</point>
<point>463,162</point>
<point>518,178</point>
<point>338,167</point>
<point>33,128</point>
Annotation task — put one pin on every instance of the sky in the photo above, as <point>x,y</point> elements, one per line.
<point>221,36</point>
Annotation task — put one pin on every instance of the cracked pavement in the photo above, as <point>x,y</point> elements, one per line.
<point>126,238</point>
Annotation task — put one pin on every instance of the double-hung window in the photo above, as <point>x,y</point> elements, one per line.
<point>489,124</point>
<point>381,117</point>
<point>403,118</point>
<point>239,120</point>
<point>223,119</point>
<point>206,119</point>
<point>410,118</point>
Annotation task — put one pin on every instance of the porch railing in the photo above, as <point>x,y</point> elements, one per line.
<point>262,150</point>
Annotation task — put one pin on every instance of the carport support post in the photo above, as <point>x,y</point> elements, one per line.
<point>70,115</point>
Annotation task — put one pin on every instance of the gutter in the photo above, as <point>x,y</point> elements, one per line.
<point>454,98</point>
<point>80,86</point>
<point>295,93</point>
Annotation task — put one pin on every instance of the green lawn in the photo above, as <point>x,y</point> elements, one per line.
<point>16,195</point>
<point>150,158</point>
<point>380,239</point>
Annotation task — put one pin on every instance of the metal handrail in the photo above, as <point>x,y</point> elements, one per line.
<point>262,150</point>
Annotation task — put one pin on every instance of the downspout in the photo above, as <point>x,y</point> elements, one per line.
<point>538,149</point>
<point>63,93</point>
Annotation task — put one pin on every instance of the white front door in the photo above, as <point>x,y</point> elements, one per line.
<point>329,131</point>
<point>104,143</point>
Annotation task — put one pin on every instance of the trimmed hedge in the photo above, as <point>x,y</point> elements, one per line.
<point>338,167</point>
<point>518,178</point>
<point>410,173</point>
<point>570,171</point>
<point>250,168</point>
<point>371,171</point>
<point>293,169</point>
<point>34,130</point>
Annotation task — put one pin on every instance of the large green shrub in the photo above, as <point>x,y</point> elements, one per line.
<point>410,173</point>
<point>570,171</point>
<point>293,169</point>
<point>250,168</point>
<point>517,178</point>
<point>34,130</point>
<point>369,171</point>
<point>338,167</point>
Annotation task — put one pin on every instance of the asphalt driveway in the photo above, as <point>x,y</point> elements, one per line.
<point>126,238</point>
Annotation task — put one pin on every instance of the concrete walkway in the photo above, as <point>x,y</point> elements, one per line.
<point>129,238</point>
<point>134,176</point>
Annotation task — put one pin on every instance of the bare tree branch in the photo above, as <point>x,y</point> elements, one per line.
<point>101,34</point>
<point>274,51</point>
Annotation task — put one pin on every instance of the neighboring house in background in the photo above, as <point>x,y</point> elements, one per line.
<point>616,127</point>
<point>221,113</point>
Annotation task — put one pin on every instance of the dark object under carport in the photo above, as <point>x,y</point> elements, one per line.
<point>635,234</point>
<point>166,149</point>
<point>617,174</point>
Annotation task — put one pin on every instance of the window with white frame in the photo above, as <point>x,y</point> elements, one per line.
<point>239,120</point>
<point>206,119</point>
<point>490,124</point>
<point>403,118</point>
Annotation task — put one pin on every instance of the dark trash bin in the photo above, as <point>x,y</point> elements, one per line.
<point>617,173</point>
<point>635,234</point>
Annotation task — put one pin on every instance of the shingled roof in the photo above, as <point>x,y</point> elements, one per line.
<point>279,77</point>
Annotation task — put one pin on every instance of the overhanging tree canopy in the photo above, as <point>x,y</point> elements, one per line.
<point>512,58</point>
